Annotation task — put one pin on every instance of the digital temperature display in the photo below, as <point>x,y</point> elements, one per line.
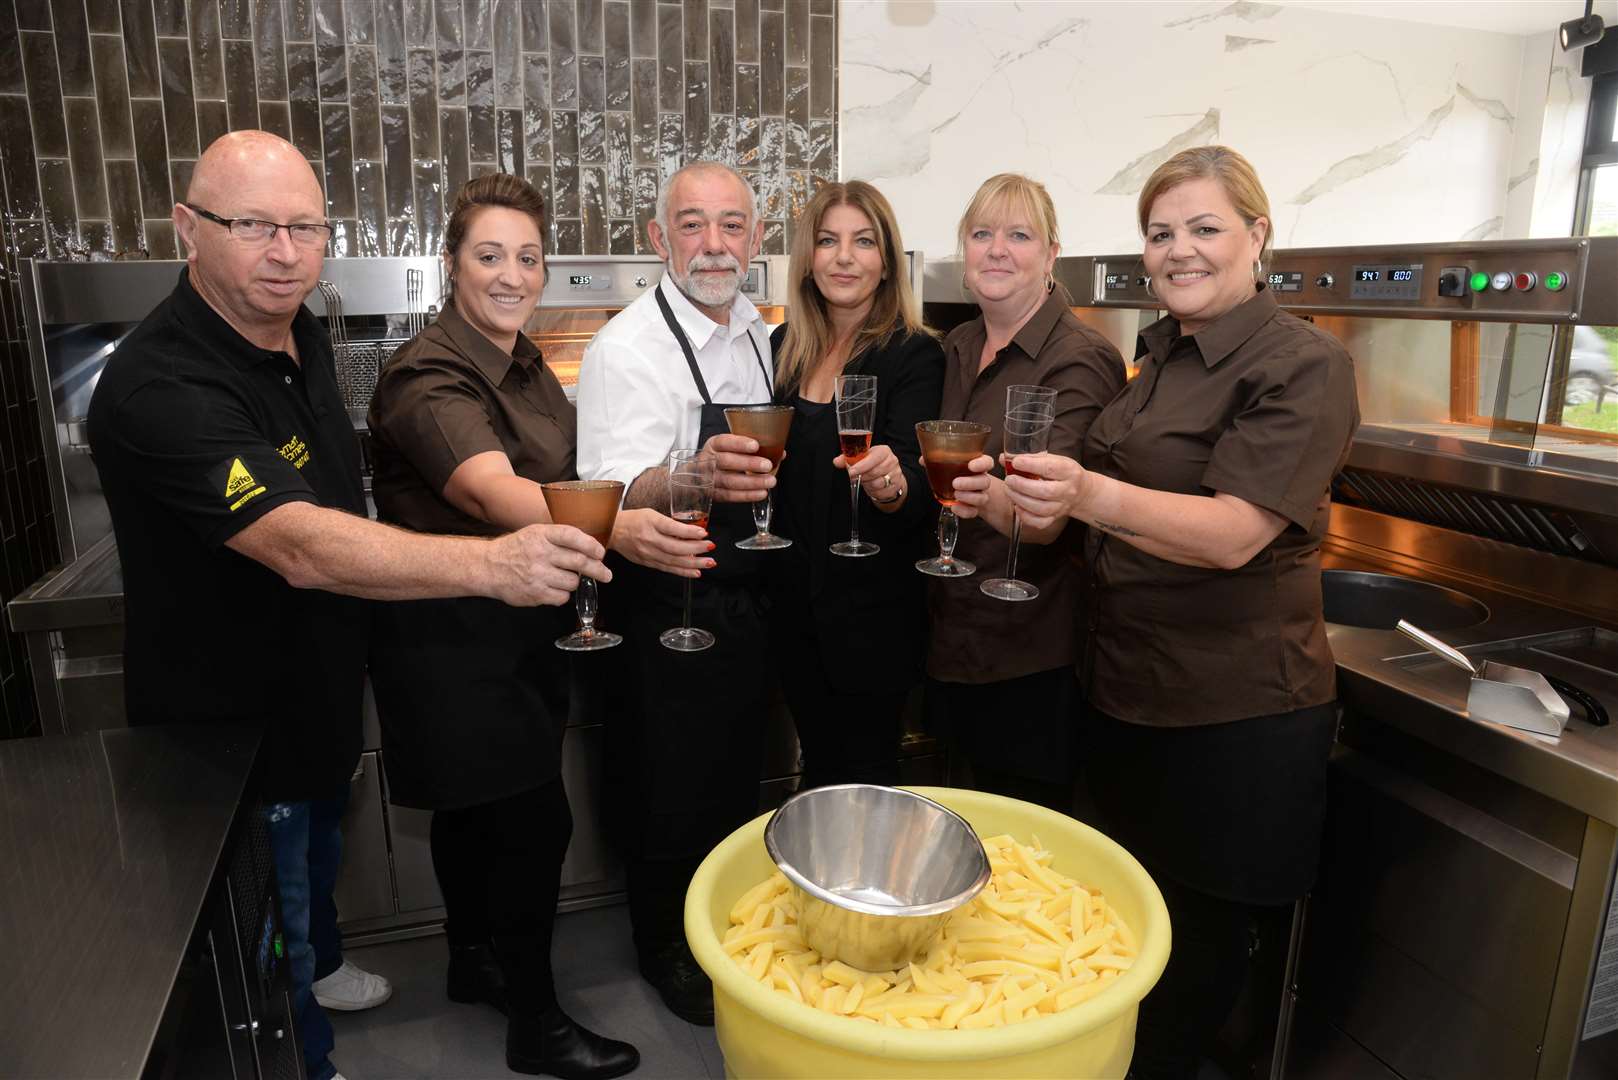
<point>1116,281</point>
<point>1284,281</point>
<point>579,281</point>
<point>1399,281</point>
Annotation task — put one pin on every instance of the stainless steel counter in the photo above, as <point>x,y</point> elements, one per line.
<point>110,841</point>
<point>1382,673</point>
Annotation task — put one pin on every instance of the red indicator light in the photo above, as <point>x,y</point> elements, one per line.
<point>1525,281</point>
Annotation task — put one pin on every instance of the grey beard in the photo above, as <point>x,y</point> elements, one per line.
<point>705,291</point>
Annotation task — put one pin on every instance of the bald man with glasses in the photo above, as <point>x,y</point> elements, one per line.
<point>232,476</point>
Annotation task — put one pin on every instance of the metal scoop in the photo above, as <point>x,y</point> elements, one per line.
<point>1513,696</point>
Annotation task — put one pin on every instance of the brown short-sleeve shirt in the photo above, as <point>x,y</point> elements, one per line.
<point>449,394</point>
<point>976,638</point>
<point>1260,405</point>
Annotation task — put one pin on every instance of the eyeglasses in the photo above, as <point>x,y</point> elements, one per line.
<point>254,231</point>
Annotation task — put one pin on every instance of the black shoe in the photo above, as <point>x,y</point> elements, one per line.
<point>681,982</point>
<point>553,1044</point>
<point>475,976</point>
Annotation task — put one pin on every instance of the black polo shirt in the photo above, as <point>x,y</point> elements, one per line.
<point>198,433</point>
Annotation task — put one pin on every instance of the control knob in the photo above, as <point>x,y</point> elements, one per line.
<point>1325,281</point>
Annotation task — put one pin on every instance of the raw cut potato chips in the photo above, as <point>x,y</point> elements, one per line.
<point>1032,942</point>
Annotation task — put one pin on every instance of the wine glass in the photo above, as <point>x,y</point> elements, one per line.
<point>948,447</point>
<point>856,416</point>
<point>1030,411</point>
<point>591,506</point>
<point>769,425</point>
<point>691,481</point>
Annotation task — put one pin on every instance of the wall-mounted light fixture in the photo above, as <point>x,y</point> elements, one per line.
<point>1577,33</point>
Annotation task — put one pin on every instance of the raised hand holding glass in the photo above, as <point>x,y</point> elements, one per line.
<point>1030,411</point>
<point>856,417</point>
<point>691,483</point>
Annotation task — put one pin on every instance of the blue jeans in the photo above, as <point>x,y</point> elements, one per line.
<point>307,842</point>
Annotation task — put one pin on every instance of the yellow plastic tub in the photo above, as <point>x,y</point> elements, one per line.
<point>765,1034</point>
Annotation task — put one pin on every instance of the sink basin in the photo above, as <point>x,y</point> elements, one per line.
<point>1379,601</point>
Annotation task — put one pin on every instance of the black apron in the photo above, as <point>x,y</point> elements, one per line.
<point>685,748</point>
<point>472,697</point>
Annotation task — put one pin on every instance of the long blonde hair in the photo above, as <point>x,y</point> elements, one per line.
<point>810,335</point>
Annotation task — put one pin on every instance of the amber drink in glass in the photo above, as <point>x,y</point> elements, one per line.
<point>947,449</point>
<point>691,483</point>
<point>856,417</point>
<point>1030,411</point>
<point>768,425</point>
<point>591,506</point>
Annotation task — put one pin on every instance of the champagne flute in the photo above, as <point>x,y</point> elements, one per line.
<point>948,447</point>
<point>856,416</point>
<point>691,481</point>
<point>769,425</point>
<point>1030,411</point>
<point>591,506</point>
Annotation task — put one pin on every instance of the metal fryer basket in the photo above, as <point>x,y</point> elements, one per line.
<point>359,362</point>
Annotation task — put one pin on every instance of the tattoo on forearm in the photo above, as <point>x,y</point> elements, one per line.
<point>1108,526</point>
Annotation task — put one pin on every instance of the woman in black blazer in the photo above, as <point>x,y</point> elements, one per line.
<point>848,633</point>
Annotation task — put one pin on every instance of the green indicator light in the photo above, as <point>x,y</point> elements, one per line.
<point>279,947</point>
<point>1479,281</point>
<point>1555,280</point>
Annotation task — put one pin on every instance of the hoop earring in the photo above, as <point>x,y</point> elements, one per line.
<point>1258,269</point>
<point>1050,283</point>
<point>1149,292</point>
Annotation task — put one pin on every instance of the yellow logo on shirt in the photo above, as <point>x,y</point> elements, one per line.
<point>295,451</point>
<point>240,480</point>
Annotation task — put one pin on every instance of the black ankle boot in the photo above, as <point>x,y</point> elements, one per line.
<point>677,977</point>
<point>475,976</point>
<point>551,1043</point>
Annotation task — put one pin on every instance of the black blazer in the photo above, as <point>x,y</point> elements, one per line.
<point>850,606</point>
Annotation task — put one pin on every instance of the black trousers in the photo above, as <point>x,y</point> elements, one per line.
<point>1017,736</point>
<point>684,738</point>
<point>846,737</point>
<point>499,866</point>
<point>1181,1017</point>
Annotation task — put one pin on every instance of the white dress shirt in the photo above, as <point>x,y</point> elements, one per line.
<point>637,399</point>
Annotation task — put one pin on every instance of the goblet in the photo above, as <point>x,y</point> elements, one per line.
<point>691,482</point>
<point>591,506</point>
<point>856,416</point>
<point>948,447</point>
<point>768,424</point>
<point>1030,411</point>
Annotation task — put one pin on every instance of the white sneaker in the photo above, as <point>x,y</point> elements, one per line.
<point>350,988</point>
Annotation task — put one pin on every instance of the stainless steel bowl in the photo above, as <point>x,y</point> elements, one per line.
<point>877,870</point>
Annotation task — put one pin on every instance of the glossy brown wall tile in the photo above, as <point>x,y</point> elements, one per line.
<point>106,104</point>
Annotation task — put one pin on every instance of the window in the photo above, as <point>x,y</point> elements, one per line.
<point>1590,397</point>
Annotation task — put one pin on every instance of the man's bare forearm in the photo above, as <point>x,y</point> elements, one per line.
<point>315,547</point>
<point>649,489</point>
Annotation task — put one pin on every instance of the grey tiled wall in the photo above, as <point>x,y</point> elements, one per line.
<point>106,104</point>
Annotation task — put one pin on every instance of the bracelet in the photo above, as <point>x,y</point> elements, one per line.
<point>897,495</point>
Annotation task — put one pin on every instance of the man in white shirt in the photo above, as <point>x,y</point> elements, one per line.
<point>684,739</point>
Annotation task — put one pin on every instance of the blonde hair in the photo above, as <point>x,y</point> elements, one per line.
<point>1003,197</point>
<point>1235,174</point>
<point>894,308</point>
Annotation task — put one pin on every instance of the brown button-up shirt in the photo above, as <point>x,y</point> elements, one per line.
<point>449,394</point>
<point>976,638</point>
<point>1260,405</point>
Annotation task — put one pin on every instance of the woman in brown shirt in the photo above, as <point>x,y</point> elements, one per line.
<point>1001,673</point>
<point>1207,673</point>
<point>467,422</point>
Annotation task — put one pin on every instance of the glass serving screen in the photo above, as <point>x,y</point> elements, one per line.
<point>1532,387</point>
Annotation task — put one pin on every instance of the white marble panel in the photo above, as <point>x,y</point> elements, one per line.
<point>1364,130</point>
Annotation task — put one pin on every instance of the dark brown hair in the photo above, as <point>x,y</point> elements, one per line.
<point>491,189</point>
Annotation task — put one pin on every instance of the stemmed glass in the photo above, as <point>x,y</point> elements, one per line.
<point>1030,411</point>
<point>768,424</point>
<point>856,416</point>
<point>948,447</point>
<point>591,506</point>
<point>691,481</point>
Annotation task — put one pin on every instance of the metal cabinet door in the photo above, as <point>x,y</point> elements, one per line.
<point>365,880</point>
